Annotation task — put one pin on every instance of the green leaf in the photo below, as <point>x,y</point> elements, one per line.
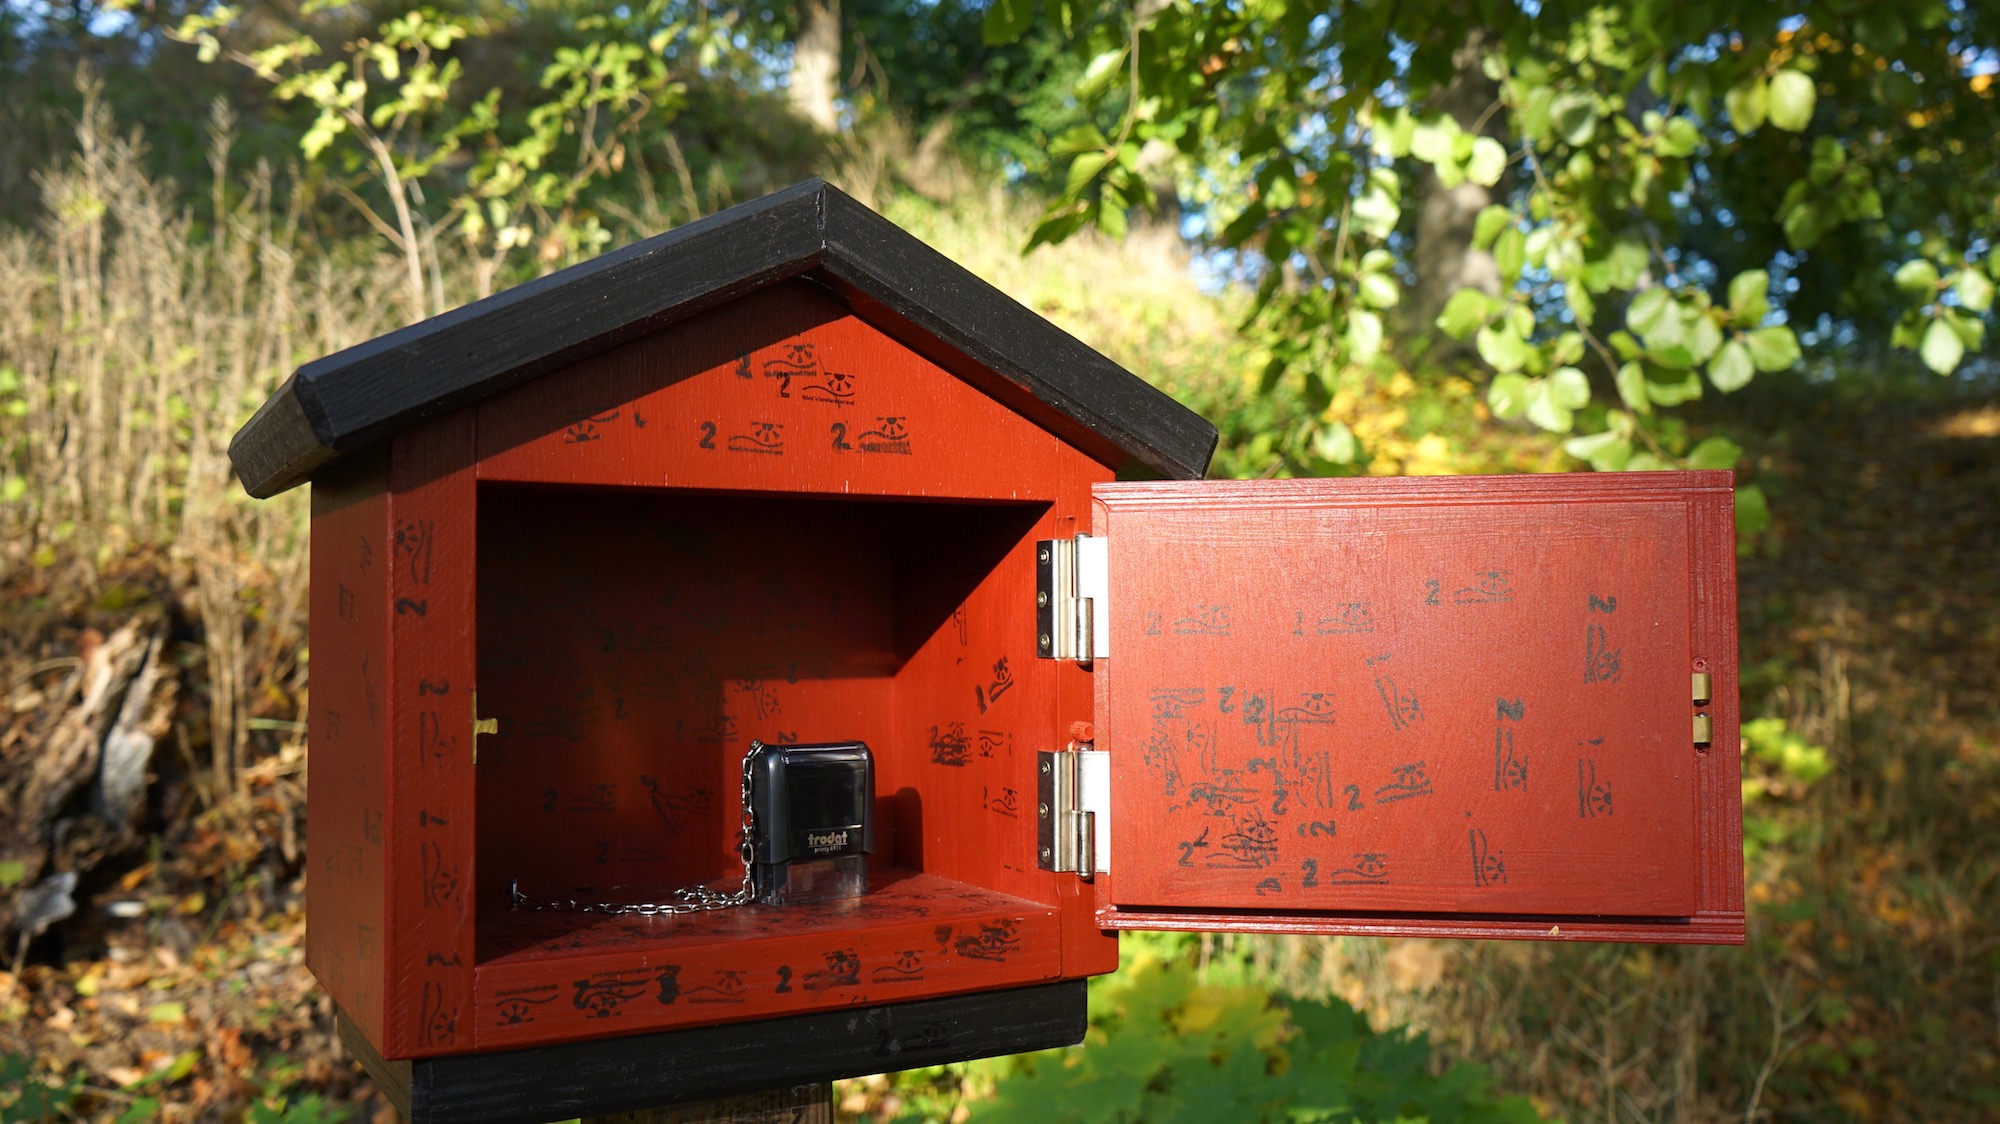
<point>1508,395</point>
<point>1632,388</point>
<point>1749,297</point>
<point>1376,209</point>
<point>1546,411</point>
<point>1569,388</point>
<point>1006,20</point>
<point>1607,452</point>
<point>1432,140</point>
<point>1487,163</point>
<point>1574,114</point>
<point>1464,313</point>
<point>1098,74</point>
<point>1753,511</point>
<point>1681,137</point>
<point>1732,368</point>
<point>1651,312</point>
<point>1510,253</point>
<point>1379,290</point>
<point>1715,452</point>
<point>1918,278</point>
<point>1335,442</point>
<point>1492,219</point>
<point>1503,349</point>
<point>1747,102</point>
<point>1772,349</point>
<point>1792,100</point>
<point>1673,392</point>
<point>1364,335</point>
<point>1975,292</point>
<point>1942,348</point>
<point>1083,169</point>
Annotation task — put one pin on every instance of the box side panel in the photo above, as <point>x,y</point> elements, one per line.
<point>347,732</point>
<point>432,517</point>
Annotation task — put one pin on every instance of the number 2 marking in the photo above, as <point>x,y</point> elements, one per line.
<point>1431,592</point>
<point>1353,797</point>
<point>708,441</point>
<point>1312,873</point>
<point>840,444</point>
<point>784,979</point>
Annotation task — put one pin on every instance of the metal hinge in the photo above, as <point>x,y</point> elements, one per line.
<point>1073,811</point>
<point>1072,614</point>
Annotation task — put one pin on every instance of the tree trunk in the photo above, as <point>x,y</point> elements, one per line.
<point>1445,260</point>
<point>816,63</point>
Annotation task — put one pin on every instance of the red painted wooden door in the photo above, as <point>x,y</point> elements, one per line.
<point>1456,705</point>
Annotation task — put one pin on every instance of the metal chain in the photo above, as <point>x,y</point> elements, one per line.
<point>694,899</point>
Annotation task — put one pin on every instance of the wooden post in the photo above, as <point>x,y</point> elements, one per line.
<point>796,1104</point>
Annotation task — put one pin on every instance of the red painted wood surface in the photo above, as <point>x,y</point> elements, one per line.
<point>634,602</point>
<point>1457,705</point>
<point>432,540</point>
<point>915,935</point>
<point>347,738</point>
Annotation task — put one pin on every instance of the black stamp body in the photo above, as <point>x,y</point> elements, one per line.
<point>813,807</point>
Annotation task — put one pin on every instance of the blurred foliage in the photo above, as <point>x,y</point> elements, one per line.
<point>1678,190</point>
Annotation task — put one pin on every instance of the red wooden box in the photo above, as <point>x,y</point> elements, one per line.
<point>786,474</point>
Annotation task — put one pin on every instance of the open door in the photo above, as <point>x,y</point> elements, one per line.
<point>1468,706</point>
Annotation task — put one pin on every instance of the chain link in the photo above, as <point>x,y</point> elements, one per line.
<point>694,899</point>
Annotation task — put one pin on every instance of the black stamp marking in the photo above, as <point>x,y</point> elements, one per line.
<point>1593,797</point>
<point>767,438</point>
<point>891,435</point>
<point>950,746</point>
<point>1601,662</point>
<point>1003,680</point>
<point>519,1005</point>
<point>1510,769</point>
<point>1204,620</point>
<point>1270,886</point>
<point>729,985</point>
<point>843,969</point>
<point>797,361</point>
<point>1348,619</point>
<point>441,879</point>
<point>600,797</point>
<point>437,1021</point>
<point>1371,868</point>
<point>1603,604</point>
<point>1317,828</point>
<point>599,997</point>
<point>993,941</point>
<point>413,549</point>
<point>344,602</point>
<point>1407,781</point>
<point>996,743</point>
<point>1250,842</point>
<point>1001,802</point>
<point>1488,866</point>
<point>1490,587</point>
<point>831,388</point>
<point>907,967</point>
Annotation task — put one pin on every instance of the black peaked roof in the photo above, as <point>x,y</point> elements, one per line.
<point>358,397</point>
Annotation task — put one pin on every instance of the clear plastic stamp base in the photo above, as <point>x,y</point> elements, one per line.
<point>811,880</point>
